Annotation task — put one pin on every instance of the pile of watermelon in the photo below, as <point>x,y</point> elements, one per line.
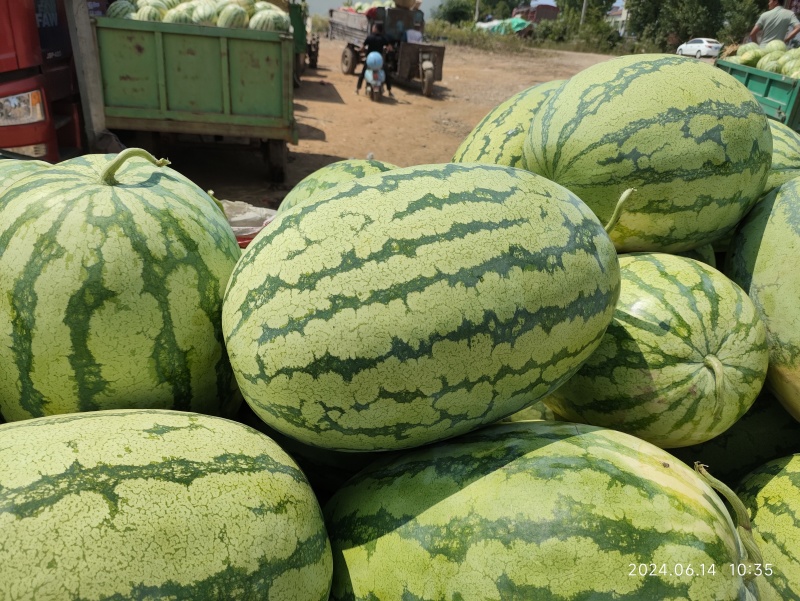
<point>240,14</point>
<point>563,365</point>
<point>774,57</point>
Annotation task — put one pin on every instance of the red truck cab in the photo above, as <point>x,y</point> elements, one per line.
<point>39,104</point>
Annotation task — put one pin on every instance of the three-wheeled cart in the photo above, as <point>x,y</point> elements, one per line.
<point>407,62</point>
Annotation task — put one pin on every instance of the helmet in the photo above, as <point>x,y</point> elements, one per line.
<point>374,61</point>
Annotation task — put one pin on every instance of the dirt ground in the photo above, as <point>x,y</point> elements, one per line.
<point>334,123</point>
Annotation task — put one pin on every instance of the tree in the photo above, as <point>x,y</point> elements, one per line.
<point>456,11</point>
<point>740,17</point>
<point>671,22</point>
<point>501,10</point>
<point>596,6</point>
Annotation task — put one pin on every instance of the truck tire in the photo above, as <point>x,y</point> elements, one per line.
<point>427,83</point>
<point>276,157</point>
<point>349,61</point>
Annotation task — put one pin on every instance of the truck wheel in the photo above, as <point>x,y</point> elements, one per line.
<point>276,157</point>
<point>349,61</point>
<point>427,83</point>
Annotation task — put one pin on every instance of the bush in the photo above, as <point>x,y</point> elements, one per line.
<point>319,24</point>
<point>455,11</point>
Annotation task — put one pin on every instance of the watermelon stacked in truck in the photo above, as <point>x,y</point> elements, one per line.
<point>482,379</point>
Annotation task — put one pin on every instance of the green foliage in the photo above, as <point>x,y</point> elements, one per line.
<point>668,24</point>
<point>455,11</point>
<point>501,10</point>
<point>595,6</point>
<point>740,17</point>
<point>319,24</point>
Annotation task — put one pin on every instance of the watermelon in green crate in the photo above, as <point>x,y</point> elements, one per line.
<point>146,504</point>
<point>417,304</point>
<point>112,274</point>
<point>684,358</point>
<point>771,493</point>
<point>696,162</point>
<point>499,137</point>
<point>178,15</point>
<point>270,20</point>
<point>530,511</point>
<point>120,9</point>
<point>330,175</point>
<point>232,15</point>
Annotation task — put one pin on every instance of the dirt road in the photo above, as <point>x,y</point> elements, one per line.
<point>409,129</point>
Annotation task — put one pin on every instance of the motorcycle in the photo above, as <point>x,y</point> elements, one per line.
<point>374,76</point>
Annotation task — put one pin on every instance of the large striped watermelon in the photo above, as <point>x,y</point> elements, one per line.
<point>772,495</point>
<point>12,170</point>
<point>530,511</point>
<point>120,9</point>
<point>762,259</point>
<point>330,176</point>
<point>764,433</point>
<point>683,359</point>
<point>498,139</point>
<point>785,155</point>
<point>417,304</point>
<point>111,282</point>
<point>232,15</point>
<point>155,504</point>
<point>688,137</point>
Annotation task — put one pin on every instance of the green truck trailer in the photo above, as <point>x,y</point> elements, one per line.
<point>777,94</point>
<point>208,81</point>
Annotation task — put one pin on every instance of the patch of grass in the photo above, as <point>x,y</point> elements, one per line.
<point>319,24</point>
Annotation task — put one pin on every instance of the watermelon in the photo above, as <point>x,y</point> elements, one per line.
<point>538,411</point>
<point>148,13</point>
<point>270,20</point>
<point>785,155</point>
<point>247,5</point>
<point>530,511</point>
<point>178,15</point>
<point>204,13</point>
<point>330,176</point>
<point>697,161</point>
<point>764,433</point>
<point>761,258</point>
<point>417,304</point>
<point>262,5</point>
<point>12,170</point>
<point>120,9</point>
<point>112,275</point>
<point>772,495</point>
<point>775,46</point>
<point>746,47</point>
<point>769,57</point>
<point>499,137</point>
<point>704,254</point>
<point>148,504</point>
<point>684,358</point>
<point>233,16</point>
<point>751,57</point>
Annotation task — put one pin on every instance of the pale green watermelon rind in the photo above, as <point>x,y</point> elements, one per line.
<point>489,515</point>
<point>648,376</point>
<point>765,244</point>
<point>698,161</point>
<point>12,170</point>
<point>330,176</point>
<point>294,323</point>
<point>169,300</point>
<point>785,155</point>
<point>157,504</point>
<point>499,137</point>
<point>771,494</point>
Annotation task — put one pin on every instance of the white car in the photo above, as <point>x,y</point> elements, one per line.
<point>700,47</point>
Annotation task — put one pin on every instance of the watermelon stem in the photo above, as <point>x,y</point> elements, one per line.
<point>107,177</point>
<point>742,517</point>
<point>612,223</point>
<point>216,202</point>
<point>715,365</point>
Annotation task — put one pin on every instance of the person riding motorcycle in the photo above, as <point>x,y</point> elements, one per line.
<point>375,42</point>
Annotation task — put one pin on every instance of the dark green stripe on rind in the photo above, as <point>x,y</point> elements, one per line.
<point>174,234</point>
<point>697,159</point>
<point>476,260</point>
<point>650,376</point>
<point>533,510</point>
<point>155,504</point>
<point>785,155</point>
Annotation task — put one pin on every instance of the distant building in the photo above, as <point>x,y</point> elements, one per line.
<point>617,17</point>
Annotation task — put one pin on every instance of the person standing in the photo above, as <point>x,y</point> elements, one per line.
<point>375,42</point>
<point>777,23</point>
